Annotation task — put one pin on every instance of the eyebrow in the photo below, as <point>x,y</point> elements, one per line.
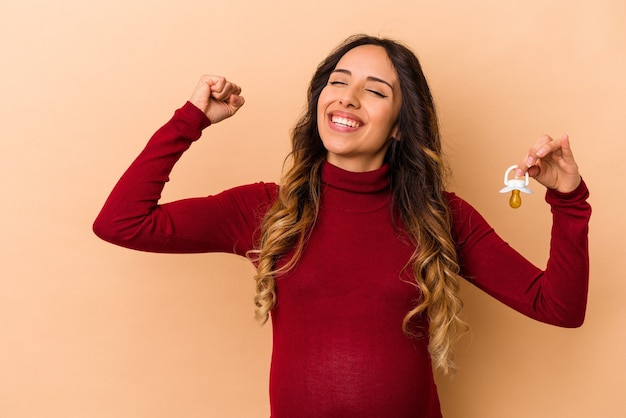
<point>370,78</point>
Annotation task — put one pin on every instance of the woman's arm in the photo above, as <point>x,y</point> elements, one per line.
<point>132,216</point>
<point>556,295</point>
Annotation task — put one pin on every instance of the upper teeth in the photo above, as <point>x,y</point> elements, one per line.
<point>345,122</point>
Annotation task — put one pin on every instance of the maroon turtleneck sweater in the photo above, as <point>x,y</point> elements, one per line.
<point>338,346</point>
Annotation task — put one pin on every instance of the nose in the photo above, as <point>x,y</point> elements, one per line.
<point>349,98</point>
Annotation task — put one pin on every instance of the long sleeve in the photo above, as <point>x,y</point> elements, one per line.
<point>132,216</point>
<point>556,295</point>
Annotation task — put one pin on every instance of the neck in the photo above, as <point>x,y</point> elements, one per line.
<point>355,191</point>
<point>354,165</point>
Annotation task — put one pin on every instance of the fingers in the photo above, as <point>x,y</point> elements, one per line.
<point>215,87</point>
<point>222,89</point>
<point>551,162</point>
<point>544,147</point>
<point>217,97</point>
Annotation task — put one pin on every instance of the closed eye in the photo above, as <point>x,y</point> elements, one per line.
<point>377,93</point>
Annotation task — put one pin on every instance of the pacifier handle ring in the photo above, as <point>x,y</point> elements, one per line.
<point>506,175</point>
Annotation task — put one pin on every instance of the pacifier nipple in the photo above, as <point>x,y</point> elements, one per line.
<point>515,186</point>
<point>515,201</point>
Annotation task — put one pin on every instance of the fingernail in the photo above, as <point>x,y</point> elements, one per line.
<point>518,172</point>
<point>530,161</point>
<point>541,152</point>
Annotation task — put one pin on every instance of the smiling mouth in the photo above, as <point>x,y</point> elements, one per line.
<point>338,120</point>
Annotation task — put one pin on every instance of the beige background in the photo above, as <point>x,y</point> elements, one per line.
<point>91,330</point>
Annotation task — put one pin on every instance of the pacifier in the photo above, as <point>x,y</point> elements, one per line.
<point>515,186</point>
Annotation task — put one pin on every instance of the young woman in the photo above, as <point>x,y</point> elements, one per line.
<point>360,250</point>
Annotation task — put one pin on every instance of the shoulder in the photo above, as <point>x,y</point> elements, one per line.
<point>260,191</point>
<point>255,197</point>
<point>458,206</point>
<point>466,221</point>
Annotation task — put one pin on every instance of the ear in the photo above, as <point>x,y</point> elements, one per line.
<point>395,133</point>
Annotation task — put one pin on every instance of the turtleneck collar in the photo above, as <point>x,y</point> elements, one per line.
<point>355,191</point>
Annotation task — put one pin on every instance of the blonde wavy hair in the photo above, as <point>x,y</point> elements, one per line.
<point>417,181</point>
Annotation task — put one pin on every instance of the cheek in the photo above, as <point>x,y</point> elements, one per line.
<point>394,114</point>
<point>385,117</point>
<point>320,116</point>
<point>322,100</point>
<point>322,104</point>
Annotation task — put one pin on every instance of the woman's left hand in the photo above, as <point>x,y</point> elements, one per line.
<point>551,162</point>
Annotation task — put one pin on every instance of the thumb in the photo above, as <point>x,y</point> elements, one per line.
<point>236,101</point>
<point>220,110</point>
<point>566,149</point>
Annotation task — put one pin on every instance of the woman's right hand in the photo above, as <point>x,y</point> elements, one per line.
<point>217,97</point>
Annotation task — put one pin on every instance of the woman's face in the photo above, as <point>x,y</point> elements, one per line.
<point>357,111</point>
